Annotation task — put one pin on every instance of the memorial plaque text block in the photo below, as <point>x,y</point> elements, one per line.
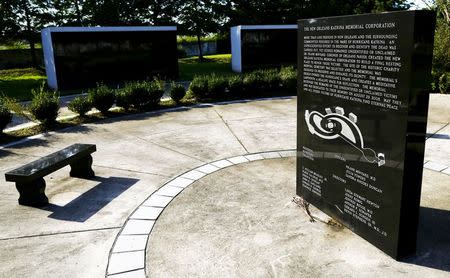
<point>362,113</point>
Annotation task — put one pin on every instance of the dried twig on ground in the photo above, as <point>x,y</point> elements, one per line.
<point>299,201</point>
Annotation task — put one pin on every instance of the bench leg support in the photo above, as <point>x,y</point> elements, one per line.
<point>32,193</point>
<point>82,168</point>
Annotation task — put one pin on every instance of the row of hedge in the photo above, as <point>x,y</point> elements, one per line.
<point>138,95</point>
<point>259,83</point>
<point>44,107</point>
<point>146,95</point>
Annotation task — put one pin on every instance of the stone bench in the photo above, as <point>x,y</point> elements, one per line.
<point>29,178</point>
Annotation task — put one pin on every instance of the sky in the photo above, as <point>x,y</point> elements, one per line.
<point>418,4</point>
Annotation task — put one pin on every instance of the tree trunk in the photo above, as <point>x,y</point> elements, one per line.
<point>33,51</point>
<point>200,50</point>
<point>29,35</point>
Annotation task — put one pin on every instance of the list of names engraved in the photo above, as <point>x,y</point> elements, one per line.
<point>362,68</point>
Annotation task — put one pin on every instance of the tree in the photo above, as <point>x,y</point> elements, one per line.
<point>289,11</point>
<point>73,13</point>
<point>9,28</point>
<point>198,18</point>
<point>26,18</point>
<point>157,12</point>
<point>443,7</point>
<point>390,5</point>
<point>441,54</point>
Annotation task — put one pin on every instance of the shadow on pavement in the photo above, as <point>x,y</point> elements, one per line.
<point>438,136</point>
<point>92,201</point>
<point>433,239</point>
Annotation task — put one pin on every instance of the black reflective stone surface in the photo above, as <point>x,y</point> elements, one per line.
<point>84,58</point>
<point>362,113</point>
<point>268,48</point>
<point>50,163</point>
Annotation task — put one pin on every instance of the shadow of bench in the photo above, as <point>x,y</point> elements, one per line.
<point>29,178</point>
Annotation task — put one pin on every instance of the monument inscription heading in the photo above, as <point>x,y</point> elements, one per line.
<point>362,112</point>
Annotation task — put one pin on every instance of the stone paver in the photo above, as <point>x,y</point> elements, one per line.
<point>435,166</point>
<point>138,227</point>
<point>147,213</point>
<point>131,274</point>
<point>222,163</point>
<point>129,243</point>
<point>238,159</point>
<point>127,261</point>
<point>158,201</point>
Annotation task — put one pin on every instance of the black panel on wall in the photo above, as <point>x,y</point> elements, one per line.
<point>84,58</point>
<point>268,48</point>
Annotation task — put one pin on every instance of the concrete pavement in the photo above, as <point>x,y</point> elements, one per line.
<point>137,154</point>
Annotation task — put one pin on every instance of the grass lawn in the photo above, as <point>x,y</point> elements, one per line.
<point>18,83</point>
<point>189,67</point>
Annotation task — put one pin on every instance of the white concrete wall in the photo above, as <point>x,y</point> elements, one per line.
<point>49,58</point>
<point>236,56</point>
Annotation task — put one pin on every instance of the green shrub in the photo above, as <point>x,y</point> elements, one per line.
<point>217,86</point>
<point>123,97</point>
<point>236,85</point>
<point>140,94</point>
<point>271,80</point>
<point>156,92</point>
<point>5,116</point>
<point>145,94</point>
<point>80,105</point>
<point>44,106</point>
<point>205,87</point>
<point>288,78</point>
<point>177,92</point>
<point>101,97</point>
<point>199,87</point>
<point>444,83</point>
<point>253,83</point>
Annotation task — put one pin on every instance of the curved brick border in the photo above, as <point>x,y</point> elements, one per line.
<point>127,255</point>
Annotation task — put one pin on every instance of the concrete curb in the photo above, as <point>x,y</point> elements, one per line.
<point>127,255</point>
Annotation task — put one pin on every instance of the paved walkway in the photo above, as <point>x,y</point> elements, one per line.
<point>138,154</point>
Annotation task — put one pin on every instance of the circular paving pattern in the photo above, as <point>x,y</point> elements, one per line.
<point>127,257</point>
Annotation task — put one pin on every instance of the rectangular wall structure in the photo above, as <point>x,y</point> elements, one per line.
<point>263,46</point>
<point>78,57</point>
<point>362,114</point>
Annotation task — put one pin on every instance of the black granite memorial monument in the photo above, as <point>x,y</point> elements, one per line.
<point>362,114</point>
